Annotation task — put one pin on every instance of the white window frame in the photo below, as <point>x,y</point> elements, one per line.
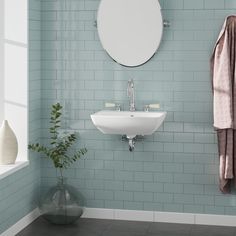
<point>14,101</point>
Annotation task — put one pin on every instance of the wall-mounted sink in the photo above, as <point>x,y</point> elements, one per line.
<point>129,123</point>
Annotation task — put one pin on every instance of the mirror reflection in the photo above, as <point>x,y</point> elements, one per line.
<point>130,30</point>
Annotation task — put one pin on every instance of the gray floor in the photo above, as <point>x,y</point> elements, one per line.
<point>94,227</point>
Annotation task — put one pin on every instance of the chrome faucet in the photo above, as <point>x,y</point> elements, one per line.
<point>130,94</point>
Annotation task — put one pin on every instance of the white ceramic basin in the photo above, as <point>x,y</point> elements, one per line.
<point>127,122</point>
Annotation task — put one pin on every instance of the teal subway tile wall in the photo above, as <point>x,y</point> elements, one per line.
<point>19,191</point>
<point>176,169</point>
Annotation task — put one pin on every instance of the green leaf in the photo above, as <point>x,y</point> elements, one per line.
<point>60,146</point>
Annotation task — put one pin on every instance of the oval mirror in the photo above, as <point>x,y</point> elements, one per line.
<point>130,30</point>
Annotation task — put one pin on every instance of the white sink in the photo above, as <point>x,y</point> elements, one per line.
<point>127,122</point>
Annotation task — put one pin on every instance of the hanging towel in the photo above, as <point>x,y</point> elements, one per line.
<point>224,101</point>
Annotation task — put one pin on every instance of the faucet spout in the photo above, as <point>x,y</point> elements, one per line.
<point>130,94</point>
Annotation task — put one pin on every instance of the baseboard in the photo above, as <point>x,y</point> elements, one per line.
<point>22,223</point>
<point>132,215</point>
<point>154,216</point>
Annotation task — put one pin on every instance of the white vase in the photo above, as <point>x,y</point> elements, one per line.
<point>8,144</point>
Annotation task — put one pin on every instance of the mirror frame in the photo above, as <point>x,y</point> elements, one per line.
<point>107,46</point>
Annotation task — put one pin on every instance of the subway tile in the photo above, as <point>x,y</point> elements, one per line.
<point>183,137</point>
<point>193,188</point>
<point>143,176</point>
<point>163,177</point>
<point>183,157</point>
<point>193,168</point>
<point>151,146</point>
<point>183,35</point>
<point>211,168</point>
<point>163,197</point>
<point>133,166</point>
<point>173,127</point>
<point>173,147</point>
<point>173,188</point>
<point>132,205</point>
<point>104,174</point>
<point>94,164</point>
<point>175,169</point>
<point>123,195</point>
<point>193,148</point>
<point>204,138</point>
<point>205,158</point>
<point>113,185</point>
<point>143,196</point>
<point>94,184</point>
<point>216,210</point>
<point>184,178</point>
<point>143,156</point>
<point>184,198</point>
<point>123,175</point>
<point>114,165</point>
<point>153,187</point>
<point>150,206</point>
<point>204,179</point>
<point>163,157</point>
<point>214,4</point>
<point>174,4</point>
<point>193,208</point>
<point>104,155</point>
<point>112,204</point>
<point>152,166</point>
<point>104,195</point>
<point>230,4</point>
<point>163,137</point>
<point>133,186</point>
<point>203,200</point>
<point>191,4</point>
<point>173,207</point>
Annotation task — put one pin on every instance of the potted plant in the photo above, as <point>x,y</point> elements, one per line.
<point>61,204</point>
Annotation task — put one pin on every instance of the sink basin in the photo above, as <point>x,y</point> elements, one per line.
<point>127,122</point>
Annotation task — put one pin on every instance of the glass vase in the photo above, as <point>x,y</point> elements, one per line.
<point>61,204</point>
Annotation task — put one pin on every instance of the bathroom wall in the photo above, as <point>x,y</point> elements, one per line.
<point>176,169</point>
<point>19,191</point>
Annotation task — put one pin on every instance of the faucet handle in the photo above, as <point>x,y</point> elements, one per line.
<point>151,106</point>
<point>112,105</point>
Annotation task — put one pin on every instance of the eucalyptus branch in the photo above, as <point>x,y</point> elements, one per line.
<point>59,146</point>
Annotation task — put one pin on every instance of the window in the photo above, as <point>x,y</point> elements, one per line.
<point>14,70</point>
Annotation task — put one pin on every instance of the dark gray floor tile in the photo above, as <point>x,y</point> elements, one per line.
<point>112,233</point>
<point>95,227</point>
<point>207,230</point>
<point>129,226</point>
<point>170,229</point>
<point>167,234</point>
<point>82,228</point>
<point>40,227</point>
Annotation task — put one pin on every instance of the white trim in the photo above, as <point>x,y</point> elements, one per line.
<point>98,213</point>
<point>2,56</point>
<point>6,170</point>
<point>22,223</point>
<point>149,216</point>
<point>133,215</point>
<point>174,217</point>
<point>221,220</point>
<point>154,216</point>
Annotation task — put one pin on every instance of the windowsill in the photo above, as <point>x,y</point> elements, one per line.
<point>6,170</point>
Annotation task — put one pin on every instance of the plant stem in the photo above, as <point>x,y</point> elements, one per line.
<point>61,173</point>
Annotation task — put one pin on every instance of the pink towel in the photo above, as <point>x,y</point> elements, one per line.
<point>224,100</point>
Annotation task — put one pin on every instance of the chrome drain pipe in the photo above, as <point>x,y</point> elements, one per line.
<point>131,144</point>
